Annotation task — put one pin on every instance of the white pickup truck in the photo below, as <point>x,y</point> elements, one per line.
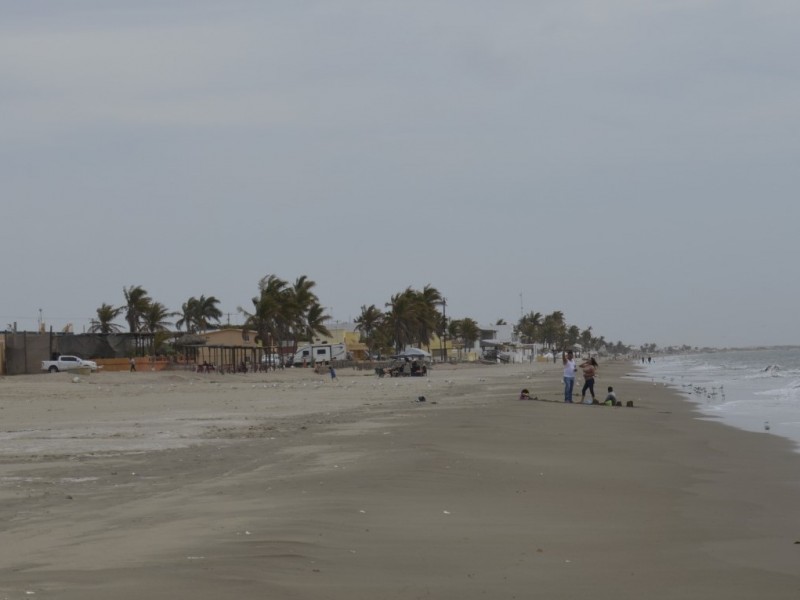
<point>68,363</point>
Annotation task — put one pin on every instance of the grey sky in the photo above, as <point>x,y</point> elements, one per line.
<point>631,163</point>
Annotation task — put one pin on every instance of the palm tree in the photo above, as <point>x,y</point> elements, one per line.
<point>470,332</point>
<point>154,321</point>
<point>137,302</point>
<point>401,318</point>
<point>207,311</point>
<point>197,313</point>
<point>528,327</point>
<point>599,342</point>
<point>587,339</point>
<point>413,316</point>
<point>554,330</point>
<point>188,312</point>
<point>315,318</point>
<point>303,303</point>
<point>454,328</point>
<point>367,323</point>
<point>105,315</point>
<point>430,298</point>
<point>272,314</point>
<point>573,335</point>
<point>155,318</point>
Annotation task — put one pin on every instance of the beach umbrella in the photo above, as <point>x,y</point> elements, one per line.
<point>413,353</point>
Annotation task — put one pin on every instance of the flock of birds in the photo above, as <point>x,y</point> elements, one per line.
<point>711,393</point>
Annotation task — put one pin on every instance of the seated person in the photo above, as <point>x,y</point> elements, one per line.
<point>525,394</point>
<point>611,397</point>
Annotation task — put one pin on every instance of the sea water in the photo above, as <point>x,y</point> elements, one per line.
<point>755,390</point>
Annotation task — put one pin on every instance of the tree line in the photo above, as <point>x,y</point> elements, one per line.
<point>283,313</point>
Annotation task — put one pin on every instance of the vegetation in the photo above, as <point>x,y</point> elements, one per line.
<point>136,304</point>
<point>105,317</point>
<point>465,331</point>
<point>198,313</point>
<point>283,314</point>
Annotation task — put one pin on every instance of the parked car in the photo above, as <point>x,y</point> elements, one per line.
<point>67,362</point>
<point>272,360</point>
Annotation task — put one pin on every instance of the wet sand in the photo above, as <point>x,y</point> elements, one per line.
<point>289,485</point>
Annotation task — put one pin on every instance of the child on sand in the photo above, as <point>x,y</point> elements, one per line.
<point>525,394</point>
<point>611,397</point>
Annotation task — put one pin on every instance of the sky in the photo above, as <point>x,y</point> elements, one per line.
<point>631,163</point>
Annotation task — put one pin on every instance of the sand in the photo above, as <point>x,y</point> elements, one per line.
<point>288,485</point>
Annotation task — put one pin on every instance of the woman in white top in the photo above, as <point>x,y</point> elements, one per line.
<point>568,360</point>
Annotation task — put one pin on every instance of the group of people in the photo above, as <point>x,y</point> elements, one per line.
<point>589,370</point>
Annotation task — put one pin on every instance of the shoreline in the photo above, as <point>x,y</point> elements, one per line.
<point>294,486</point>
<point>734,391</point>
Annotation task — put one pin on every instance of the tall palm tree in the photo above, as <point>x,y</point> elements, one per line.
<point>188,312</point>
<point>401,318</point>
<point>470,332</point>
<point>573,335</point>
<point>465,330</point>
<point>137,302</point>
<point>587,338</point>
<point>105,317</point>
<point>154,321</point>
<point>272,315</point>
<point>301,302</point>
<point>528,327</point>
<point>315,318</point>
<point>429,298</point>
<point>155,318</point>
<point>453,330</point>
<point>367,323</point>
<point>207,311</point>
<point>413,316</point>
<point>557,328</point>
<point>197,313</point>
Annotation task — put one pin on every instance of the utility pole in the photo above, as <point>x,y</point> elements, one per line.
<point>443,339</point>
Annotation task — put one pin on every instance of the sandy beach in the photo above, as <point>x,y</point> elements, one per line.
<point>289,485</point>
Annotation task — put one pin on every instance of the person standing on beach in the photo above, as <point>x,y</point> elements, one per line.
<point>132,363</point>
<point>568,360</point>
<point>589,368</point>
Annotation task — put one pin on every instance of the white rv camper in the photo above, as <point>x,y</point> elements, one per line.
<point>319,353</point>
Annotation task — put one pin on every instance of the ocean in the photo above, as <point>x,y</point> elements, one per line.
<point>754,390</point>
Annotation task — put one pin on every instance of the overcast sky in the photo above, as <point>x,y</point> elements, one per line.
<point>632,163</point>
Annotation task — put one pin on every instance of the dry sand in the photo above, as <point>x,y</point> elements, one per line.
<point>288,485</point>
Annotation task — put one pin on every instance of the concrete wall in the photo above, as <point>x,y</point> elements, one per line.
<point>25,351</point>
